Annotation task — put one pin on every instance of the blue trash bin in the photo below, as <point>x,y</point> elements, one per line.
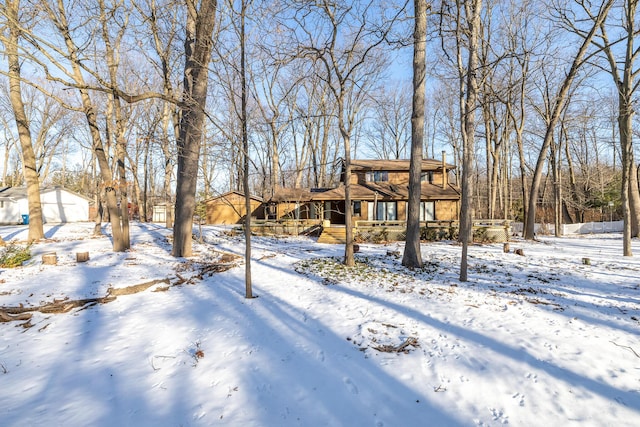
<point>25,219</point>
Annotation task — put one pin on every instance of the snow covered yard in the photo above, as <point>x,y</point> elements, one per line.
<point>534,340</point>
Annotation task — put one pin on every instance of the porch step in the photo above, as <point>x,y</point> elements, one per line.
<point>333,235</point>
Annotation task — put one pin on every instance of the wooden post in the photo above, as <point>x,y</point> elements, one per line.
<point>82,256</point>
<point>505,247</point>
<point>50,259</point>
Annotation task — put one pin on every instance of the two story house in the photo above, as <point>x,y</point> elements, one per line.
<point>379,192</point>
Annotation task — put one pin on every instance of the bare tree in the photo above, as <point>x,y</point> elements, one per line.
<point>348,53</point>
<point>10,12</point>
<point>164,16</point>
<point>201,20</point>
<point>472,10</point>
<point>245,150</point>
<point>412,257</point>
<point>623,72</point>
<point>390,133</point>
<point>559,101</point>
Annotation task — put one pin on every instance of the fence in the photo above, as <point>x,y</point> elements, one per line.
<point>569,229</point>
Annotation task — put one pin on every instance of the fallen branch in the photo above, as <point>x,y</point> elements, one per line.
<point>627,347</point>
<point>9,314</point>
<point>130,290</point>
<point>7,317</point>
<point>402,348</point>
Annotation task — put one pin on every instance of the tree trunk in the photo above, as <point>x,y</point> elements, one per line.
<point>412,257</point>
<point>198,45</point>
<point>349,259</point>
<point>627,149</point>
<point>245,149</point>
<point>36,230</point>
<point>634,198</point>
<point>473,9</point>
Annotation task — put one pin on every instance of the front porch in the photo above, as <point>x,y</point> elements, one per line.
<point>484,231</point>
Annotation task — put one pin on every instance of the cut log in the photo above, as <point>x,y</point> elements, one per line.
<point>82,256</point>
<point>519,252</point>
<point>50,258</point>
<point>6,317</point>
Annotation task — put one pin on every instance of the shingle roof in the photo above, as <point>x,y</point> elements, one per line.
<point>396,165</point>
<point>13,192</point>
<point>292,195</point>
<point>386,191</point>
<point>225,195</point>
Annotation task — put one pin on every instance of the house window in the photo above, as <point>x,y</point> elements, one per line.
<point>357,208</point>
<point>387,211</point>
<point>377,176</point>
<point>427,211</point>
<point>427,177</point>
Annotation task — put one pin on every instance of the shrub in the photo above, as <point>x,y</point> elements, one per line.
<point>428,234</point>
<point>481,235</point>
<point>431,234</point>
<point>14,255</point>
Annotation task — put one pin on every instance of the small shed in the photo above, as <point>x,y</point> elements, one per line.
<point>161,212</point>
<point>58,205</point>
<point>230,208</point>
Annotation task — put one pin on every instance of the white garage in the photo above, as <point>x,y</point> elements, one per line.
<point>58,205</point>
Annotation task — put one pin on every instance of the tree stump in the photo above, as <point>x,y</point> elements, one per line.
<point>50,258</point>
<point>356,248</point>
<point>82,256</point>
<point>519,252</point>
<point>505,248</point>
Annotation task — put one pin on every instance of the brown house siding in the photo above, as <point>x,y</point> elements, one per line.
<point>230,209</point>
<point>446,210</point>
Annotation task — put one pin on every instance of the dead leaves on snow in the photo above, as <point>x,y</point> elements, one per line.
<point>384,338</point>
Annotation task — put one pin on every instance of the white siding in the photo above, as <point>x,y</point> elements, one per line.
<point>59,205</point>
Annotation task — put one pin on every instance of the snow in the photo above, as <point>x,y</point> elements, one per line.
<point>534,340</point>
